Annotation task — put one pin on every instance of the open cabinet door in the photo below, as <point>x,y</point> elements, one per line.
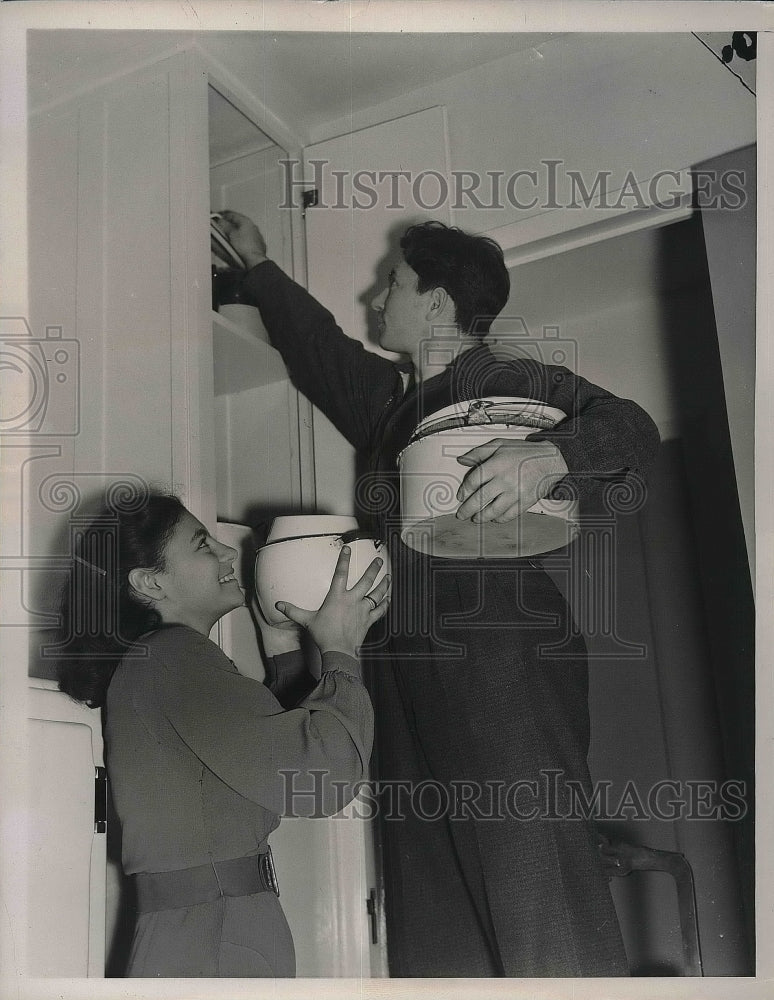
<point>370,185</point>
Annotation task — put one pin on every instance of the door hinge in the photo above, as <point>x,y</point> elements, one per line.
<point>100,800</point>
<point>372,909</point>
<point>309,199</point>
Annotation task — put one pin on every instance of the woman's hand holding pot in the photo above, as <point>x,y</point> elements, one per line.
<point>346,615</point>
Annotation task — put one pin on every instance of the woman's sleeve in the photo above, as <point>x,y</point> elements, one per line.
<point>348,383</point>
<point>299,762</point>
<point>288,678</point>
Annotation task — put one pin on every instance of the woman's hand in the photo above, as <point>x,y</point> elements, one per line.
<point>345,616</point>
<point>244,236</point>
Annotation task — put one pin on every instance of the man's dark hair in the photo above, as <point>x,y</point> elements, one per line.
<point>470,268</point>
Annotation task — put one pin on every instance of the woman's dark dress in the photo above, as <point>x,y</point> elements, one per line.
<point>194,754</point>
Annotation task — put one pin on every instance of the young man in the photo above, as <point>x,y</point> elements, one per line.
<point>482,732</point>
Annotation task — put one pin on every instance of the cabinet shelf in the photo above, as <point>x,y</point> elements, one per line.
<point>241,359</point>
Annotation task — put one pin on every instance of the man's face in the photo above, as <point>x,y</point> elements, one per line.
<point>403,311</point>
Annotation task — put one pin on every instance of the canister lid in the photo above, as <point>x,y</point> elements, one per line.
<point>502,410</point>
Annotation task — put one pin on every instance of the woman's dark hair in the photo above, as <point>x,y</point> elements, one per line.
<point>101,614</point>
<point>470,268</point>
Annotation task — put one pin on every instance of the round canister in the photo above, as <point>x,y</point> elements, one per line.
<point>430,476</point>
<point>298,561</point>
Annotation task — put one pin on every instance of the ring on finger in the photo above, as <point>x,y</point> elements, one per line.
<point>375,603</point>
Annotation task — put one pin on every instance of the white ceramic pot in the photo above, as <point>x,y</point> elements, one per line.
<point>299,558</point>
<point>430,476</point>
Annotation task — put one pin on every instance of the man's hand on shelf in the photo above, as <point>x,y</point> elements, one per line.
<point>244,236</point>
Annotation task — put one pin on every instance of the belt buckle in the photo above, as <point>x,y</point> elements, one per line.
<point>269,872</point>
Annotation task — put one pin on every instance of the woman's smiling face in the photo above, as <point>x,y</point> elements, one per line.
<point>198,585</point>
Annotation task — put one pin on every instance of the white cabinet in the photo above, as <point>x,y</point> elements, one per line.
<point>66,837</point>
<point>173,394</point>
<point>259,454</point>
<point>106,270</point>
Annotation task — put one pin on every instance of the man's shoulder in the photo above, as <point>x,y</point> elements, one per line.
<point>486,370</point>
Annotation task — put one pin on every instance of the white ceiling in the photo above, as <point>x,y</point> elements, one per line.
<point>65,61</point>
<point>305,78</point>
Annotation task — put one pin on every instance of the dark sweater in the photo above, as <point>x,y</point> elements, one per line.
<point>363,394</point>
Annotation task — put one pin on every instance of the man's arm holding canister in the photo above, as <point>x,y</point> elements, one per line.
<point>603,436</point>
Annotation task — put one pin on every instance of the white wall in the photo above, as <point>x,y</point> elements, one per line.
<point>730,236</point>
<point>597,102</point>
<point>604,306</point>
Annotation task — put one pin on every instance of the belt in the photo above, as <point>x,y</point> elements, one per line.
<point>206,883</point>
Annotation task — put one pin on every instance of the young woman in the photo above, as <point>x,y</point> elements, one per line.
<point>196,751</point>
